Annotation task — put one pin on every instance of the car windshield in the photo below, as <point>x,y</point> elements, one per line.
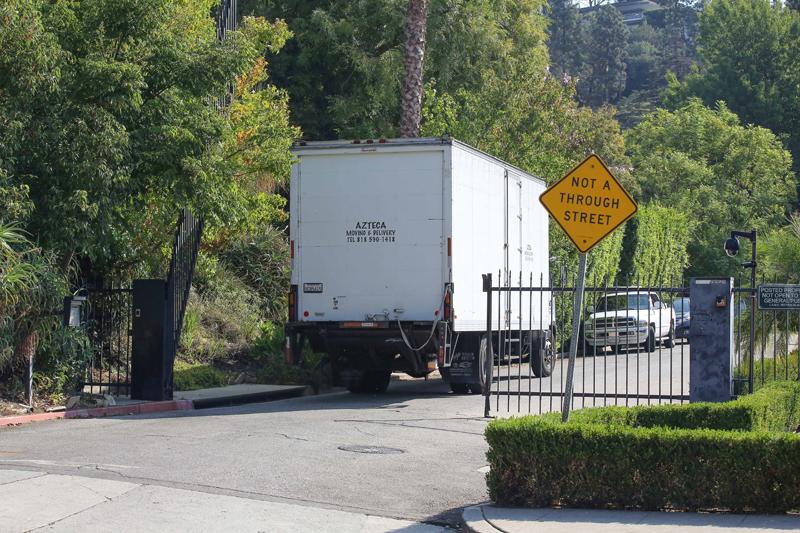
<point>620,302</point>
<point>681,305</point>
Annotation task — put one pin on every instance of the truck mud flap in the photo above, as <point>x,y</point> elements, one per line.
<point>465,367</point>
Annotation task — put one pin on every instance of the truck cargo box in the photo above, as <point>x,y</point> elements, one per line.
<point>379,229</point>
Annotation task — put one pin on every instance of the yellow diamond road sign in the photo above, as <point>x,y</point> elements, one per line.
<point>588,203</point>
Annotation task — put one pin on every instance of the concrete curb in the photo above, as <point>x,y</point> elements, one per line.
<point>475,521</point>
<point>99,412</point>
<point>249,397</point>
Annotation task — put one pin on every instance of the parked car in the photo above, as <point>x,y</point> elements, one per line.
<point>682,317</point>
<point>629,319</point>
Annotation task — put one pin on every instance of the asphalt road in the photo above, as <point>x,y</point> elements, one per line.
<point>425,451</point>
<point>626,378</point>
<point>415,453</point>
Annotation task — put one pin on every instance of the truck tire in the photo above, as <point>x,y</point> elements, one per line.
<point>669,342</point>
<point>371,381</point>
<point>650,342</point>
<point>542,360</point>
<point>485,377</point>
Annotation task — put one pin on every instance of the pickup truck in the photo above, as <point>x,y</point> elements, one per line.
<point>627,320</point>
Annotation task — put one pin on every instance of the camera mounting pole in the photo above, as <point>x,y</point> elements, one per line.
<point>751,236</point>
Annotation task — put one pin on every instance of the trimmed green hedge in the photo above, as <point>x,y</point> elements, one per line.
<point>632,458</point>
<point>773,408</point>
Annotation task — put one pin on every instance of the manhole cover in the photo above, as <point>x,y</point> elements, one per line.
<point>379,450</point>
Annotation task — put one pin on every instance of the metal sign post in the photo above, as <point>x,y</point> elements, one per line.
<point>577,310</point>
<point>588,203</point>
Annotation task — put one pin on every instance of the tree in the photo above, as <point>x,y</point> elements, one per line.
<point>606,41</point>
<point>344,66</point>
<point>779,252</point>
<point>676,51</point>
<point>705,163</point>
<point>659,254</point>
<point>106,123</point>
<point>564,38</point>
<point>411,92</point>
<point>749,53</point>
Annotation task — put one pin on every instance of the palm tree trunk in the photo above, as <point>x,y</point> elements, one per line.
<point>411,105</point>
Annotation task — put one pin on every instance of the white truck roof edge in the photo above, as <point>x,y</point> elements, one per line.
<point>310,146</point>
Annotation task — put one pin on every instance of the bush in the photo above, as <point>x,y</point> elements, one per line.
<point>192,377</point>
<point>769,370</point>
<point>774,408</point>
<point>665,457</point>
<point>221,322</point>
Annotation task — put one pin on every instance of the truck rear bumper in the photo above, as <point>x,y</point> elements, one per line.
<point>376,342</point>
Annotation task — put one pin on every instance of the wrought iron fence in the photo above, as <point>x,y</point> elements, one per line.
<point>179,281</point>
<point>227,20</point>
<point>630,349</point>
<point>772,353</point>
<point>633,344</point>
<point>106,317</point>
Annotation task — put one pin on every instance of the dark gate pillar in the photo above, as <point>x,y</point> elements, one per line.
<point>711,352</point>
<point>149,374</point>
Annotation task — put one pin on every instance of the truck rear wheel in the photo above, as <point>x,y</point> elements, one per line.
<point>484,358</point>
<point>371,381</point>
<point>543,358</point>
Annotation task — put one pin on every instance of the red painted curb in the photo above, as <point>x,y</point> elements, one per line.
<point>117,410</point>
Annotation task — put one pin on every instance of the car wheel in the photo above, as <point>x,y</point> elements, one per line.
<point>650,342</point>
<point>669,342</point>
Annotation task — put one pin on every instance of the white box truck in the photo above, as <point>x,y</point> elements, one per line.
<point>389,242</point>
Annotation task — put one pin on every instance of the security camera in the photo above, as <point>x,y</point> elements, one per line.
<point>732,246</point>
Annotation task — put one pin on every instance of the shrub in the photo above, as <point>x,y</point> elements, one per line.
<point>769,370</point>
<point>738,455</point>
<point>192,377</point>
<point>221,322</point>
<point>773,408</point>
<point>538,462</point>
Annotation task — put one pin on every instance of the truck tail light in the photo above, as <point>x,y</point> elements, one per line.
<point>291,253</point>
<point>448,302</point>
<point>293,303</point>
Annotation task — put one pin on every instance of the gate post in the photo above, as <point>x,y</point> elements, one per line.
<point>711,351</point>
<point>148,376</point>
<point>489,362</point>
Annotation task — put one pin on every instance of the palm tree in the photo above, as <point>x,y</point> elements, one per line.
<point>411,105</point>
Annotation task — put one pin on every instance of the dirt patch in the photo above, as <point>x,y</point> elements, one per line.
<point>12,409</point>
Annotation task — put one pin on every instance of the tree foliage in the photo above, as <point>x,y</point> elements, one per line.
<point>603,79</point>
<point>106,122</point>
<point>779,252</point>
<point>724,175</point>
<point>565,39</point>
<point>659,253</point>
<point>749,51</point>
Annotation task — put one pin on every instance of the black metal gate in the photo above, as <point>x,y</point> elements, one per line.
<point>624,357</point>
<point>107,319</point>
